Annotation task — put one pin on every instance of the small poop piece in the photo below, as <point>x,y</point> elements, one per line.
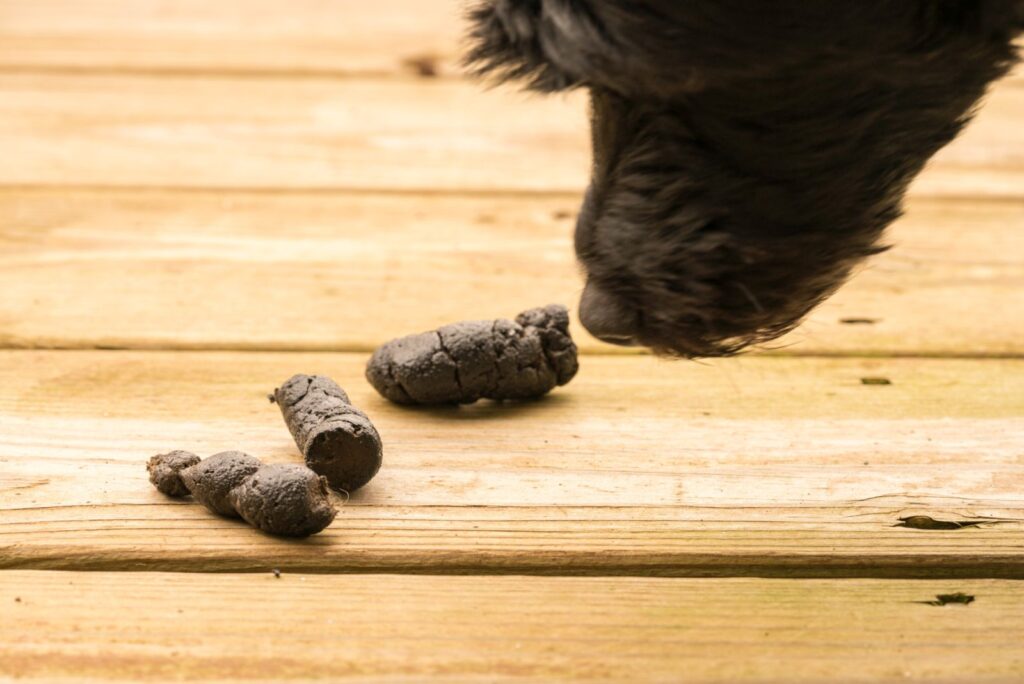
<point>463,362</point>
<point>337,440</point>
<point>164,468</point>
<point>286,500</point>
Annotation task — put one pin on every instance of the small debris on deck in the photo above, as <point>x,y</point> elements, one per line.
<point>946,599</point>
<point>424,66</point>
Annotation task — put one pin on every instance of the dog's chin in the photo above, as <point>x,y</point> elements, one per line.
<point>675,331</point>
<point>611,319</point>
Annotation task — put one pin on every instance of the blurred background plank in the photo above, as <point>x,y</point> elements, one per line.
<point>428,134</point>
<point>347,271</point>
<point>338,38</point>
<point>258,36</point>
<point>763,466</point>
<point>375,627</point>
<point>284,133</point>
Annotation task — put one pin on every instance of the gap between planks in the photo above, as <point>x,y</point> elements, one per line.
<point>405,72</point>
<point>574,196</point>
<point>201,73</point>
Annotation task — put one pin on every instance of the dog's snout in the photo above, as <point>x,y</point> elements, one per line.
<point>607,318</point>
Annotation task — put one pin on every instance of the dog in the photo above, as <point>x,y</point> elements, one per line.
<point>747,154</point>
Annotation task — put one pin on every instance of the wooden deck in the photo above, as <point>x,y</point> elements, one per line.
<point>199,199</point>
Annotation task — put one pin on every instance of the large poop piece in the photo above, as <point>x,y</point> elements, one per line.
<point>285,500</point>
<point>284,496</point>
<point>337,440</point>
<point>463,362</point>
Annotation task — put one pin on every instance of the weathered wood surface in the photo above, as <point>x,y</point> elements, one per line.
<point>274,133</point>
<point>350,271</point>
<point>762,466</point>
<point>251,627</point>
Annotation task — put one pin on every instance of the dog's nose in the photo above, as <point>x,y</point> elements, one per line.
<point>606,318</point>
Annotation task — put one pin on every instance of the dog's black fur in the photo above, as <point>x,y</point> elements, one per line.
<point>747,153</point>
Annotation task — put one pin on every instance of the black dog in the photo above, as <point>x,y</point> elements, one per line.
<point>747,153</point>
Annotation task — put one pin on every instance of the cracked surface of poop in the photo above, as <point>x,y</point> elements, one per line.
<point>463,362</point>
<point>336,439</point>
<point>213,478</point>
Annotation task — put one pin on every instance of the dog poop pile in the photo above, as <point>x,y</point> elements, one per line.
<point>463,362</point>
<point>337,440</point>
<point>281,499</point>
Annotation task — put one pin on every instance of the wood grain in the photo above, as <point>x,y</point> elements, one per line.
<point>221,132</point>
<point>235,36</point>
<point>349,271</point>
<point>302,627</point>
<point>761,466</point>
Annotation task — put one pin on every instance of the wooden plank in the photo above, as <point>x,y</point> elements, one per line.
<point>374,627</point>
<point>349,271</point>
<point>287,133</point>
<point>983,161</point>
<point>760,466</point>
<point>254,36</point>
<point>324,133</point>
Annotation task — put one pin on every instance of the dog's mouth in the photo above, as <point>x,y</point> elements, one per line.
<point>607,318</point>
<point>610,319</point>
<point>674,332</point>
